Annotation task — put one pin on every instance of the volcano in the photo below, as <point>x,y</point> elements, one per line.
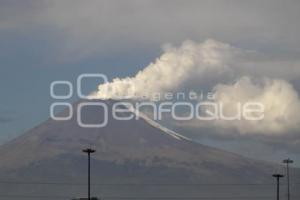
<point>134,159</point>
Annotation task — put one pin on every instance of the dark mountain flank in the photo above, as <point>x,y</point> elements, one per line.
<point>134,159</point>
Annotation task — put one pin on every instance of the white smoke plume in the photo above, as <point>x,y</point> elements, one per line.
<point>175,68</point>
<point>194,65</point>
<point>279,98</point>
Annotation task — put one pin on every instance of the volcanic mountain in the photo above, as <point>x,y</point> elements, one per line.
<point>134,159</point>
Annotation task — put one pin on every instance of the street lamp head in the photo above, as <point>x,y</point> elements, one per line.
<point>278,175</point>
<point>88,150</point>
<point>288,161</point>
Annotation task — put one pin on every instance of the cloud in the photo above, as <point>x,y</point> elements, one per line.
<point>280,101</point>
<point>277,132</point>
<point>197,66</point>
<point>216,65</point>
<point>88,28</point>
<point>174,69</point>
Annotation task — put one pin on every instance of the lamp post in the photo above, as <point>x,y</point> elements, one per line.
<point>89,151</point>
<point>287,162</point>
<point>277,176</point>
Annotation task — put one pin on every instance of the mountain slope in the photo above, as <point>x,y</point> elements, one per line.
<point>134,151</point>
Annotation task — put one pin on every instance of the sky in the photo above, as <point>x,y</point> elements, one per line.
<point>234,46</point>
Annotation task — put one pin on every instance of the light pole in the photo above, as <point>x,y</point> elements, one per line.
<point>89,151</point>
<point>277,176</point>
<point>287,162</point>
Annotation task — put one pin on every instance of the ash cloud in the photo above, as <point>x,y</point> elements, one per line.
<point>235,76</point>
<point>195,65</point>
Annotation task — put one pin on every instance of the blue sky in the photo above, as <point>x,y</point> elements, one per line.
<point>43,41</point>
<point>25,88</point>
